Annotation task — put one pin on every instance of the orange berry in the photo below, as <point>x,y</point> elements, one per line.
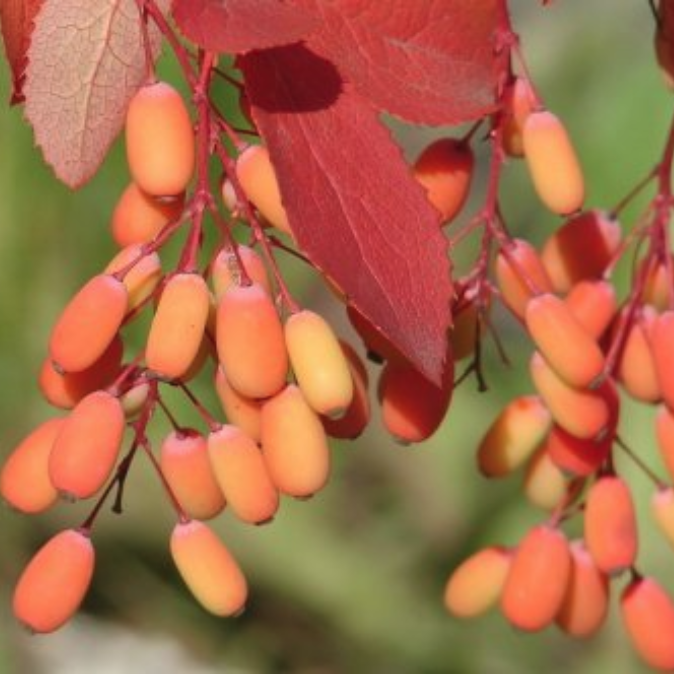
<point>636,369</point>
<point>88,324</point>
<point>610,525</point>
<point>584,413</point>
<point>658,282</point>
<point>648,615</point>
<point>24,480</point>
<point>134,399</point>
<point>208,568</point>
<point>513,436</point>
<point>544,484</point>
<point>537,580</point>
<point>320,367</point>
<point>250,341</point>
<point>552,162</point>
<point>242,474</point>
<point>412,408</point>
<point>664,433</point>
<point>567,347</point>
<point>585,604</point>
<point>662,339</point>
<point>257,178</point>
<point>86,450</point>
<point>226,272</point>
<point>476,584</point>
<point>142,279</point>
<point>52,586</point>
<point>66,389</point>
<point>518,103</point>
<point>445,168</point>
<point>184,462</point>
<point>178,326</point>
<point>246,413</point>
<point>357,416</point>
<point>577,456</point>
<point>138,217</point>
<point>160,146</point>
<point>520,275</point>
<point>594,305</point>
<point>662,508</point>
<point>582,248</point>
<point>294,445</point>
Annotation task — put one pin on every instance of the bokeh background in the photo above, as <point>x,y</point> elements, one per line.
<point>350,581</point>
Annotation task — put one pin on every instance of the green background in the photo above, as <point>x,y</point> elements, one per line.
<point>350,581</point>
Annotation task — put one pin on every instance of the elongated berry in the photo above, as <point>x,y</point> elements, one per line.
<point>567,347</point>
<point>241,472</point>
<point>664,434</point>
<point>518,104</point>
<point>585,605</point>
<point>246,413</point>
<point>412,408</point>
<point>662,339</point>
<point>582,248</point>
<point>257,177</point>
<point>160,145</point>
<point>476,584</point>
<point>24,480</point>
<point>208,568</point>
<point>647,611</point>
<point>577,456</point>
<point>88,324</point>
<point>357,416</point>
<point>142,278</point>
<point>294,444</point>
<point>178,326</point>
<point>226,269</point>
<point>544,484</point>
<point>610,525</point>
<point>662,509</point>
<point>520,275</point>
<point>594,305</point>
<point>553,164</point>
<point>445,168</point>
<point>513,436</point>
<point>86,449</point>
<point>658,281</point>
<point>138,218</point>
<point>52,586</point>
<point>468,328</point>
<point>184,461</point>
<point>537,580</point>
<point>250,341</point>
<point>584,413</point>
<point>320,367</point>
<point>66,389</point>
<point>636,370</point>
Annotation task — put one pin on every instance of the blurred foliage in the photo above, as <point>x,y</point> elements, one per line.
<point>350,581</point>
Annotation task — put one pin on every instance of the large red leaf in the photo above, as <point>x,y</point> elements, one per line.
<point>85,61</point>
<point>16,17</point>
<point>426,61</point>
<point>352,204</point>
<point>238,26</point>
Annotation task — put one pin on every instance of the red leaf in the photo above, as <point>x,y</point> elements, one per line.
<point>426,61</point>
<point>352,204</point>
<point>17,17</point>
<point>238,26</point>
<point>85,61</point>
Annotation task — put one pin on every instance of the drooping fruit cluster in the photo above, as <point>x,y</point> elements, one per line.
<point>590,347</point>
<point>286,383</point>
